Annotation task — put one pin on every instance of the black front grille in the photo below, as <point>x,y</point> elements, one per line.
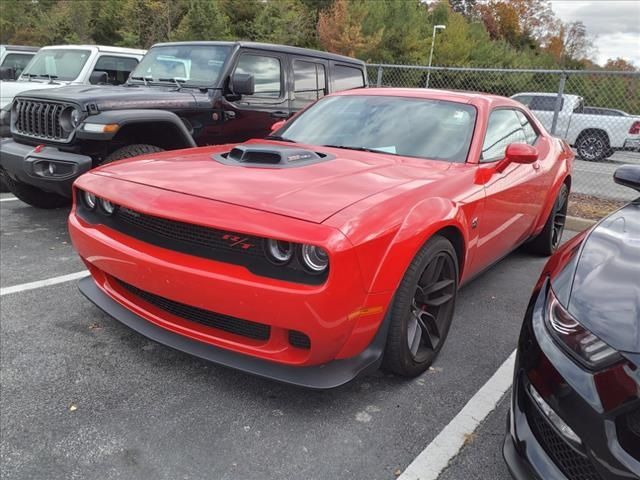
<point>237,326</point>
<point>39,119</point>
<point>574,465</point>
<point>187,233</point>
<point>206,242</point>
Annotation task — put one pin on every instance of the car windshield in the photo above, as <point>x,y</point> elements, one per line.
<point>184,65</point>
<point>53,64</point>
<point>414,127</point>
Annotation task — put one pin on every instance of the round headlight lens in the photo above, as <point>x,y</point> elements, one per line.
<point>279,252</point>
<point>69,118</point>
<point>89,200</point>
<point>107,206</point>
<point>315,258</point>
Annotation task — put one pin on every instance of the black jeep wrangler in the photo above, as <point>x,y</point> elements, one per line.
<point>181,95</point>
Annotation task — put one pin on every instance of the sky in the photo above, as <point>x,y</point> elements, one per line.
<point>613,25</point>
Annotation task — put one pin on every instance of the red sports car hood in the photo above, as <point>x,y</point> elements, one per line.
<point>312,192</point>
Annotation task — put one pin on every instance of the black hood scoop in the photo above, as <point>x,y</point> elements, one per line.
<point>270,156</point>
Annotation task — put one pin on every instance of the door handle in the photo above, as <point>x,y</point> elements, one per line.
<point>279,114</point>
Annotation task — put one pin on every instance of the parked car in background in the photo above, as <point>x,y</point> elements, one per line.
<point>180,95</point>
<point>575,409</point>
<point>13,60</point>
<point>60,65</point>
<point>595,135</point>
<point>334,244</point>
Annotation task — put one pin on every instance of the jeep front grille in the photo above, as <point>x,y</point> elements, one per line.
<point>39,119</point>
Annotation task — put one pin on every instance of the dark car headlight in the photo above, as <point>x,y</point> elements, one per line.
<point>579,342</point>
<point>70,118</point>
<point>315,259</point>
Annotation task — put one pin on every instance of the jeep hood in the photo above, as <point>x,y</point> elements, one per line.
<point>120,97</point>
<point>312,192</point>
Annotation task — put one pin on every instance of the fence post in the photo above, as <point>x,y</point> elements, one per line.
<point>379,80</point>
<point>558,106</point>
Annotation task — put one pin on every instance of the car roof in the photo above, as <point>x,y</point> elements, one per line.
<point>19,48</point>
<point>435,94</point>
<point>273,48</point>
<point>100,48</point>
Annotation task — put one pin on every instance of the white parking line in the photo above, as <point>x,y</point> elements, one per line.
<point>43,283</point>
<point>8,199</point>
<point>430,463</point>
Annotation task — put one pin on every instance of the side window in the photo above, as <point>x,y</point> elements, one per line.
<point>17,61</point>
<point>345,78</point>
<point>309,82</point>
<point>504,128</point>
<point>117,68</point>
<point>545,103</point>
<point>266,71</point>
<point>530,133</point>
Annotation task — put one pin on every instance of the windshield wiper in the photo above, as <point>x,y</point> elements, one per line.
<point>50,77</point>
<point>144,79</point>
<point>174,80</point>
<point>358,149</point>
<point>280,138</point>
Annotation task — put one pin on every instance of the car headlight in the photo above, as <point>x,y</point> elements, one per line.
<point>70,118</point>
<point>278,251</point>
<point>314,258</point>
<point>89,200</point>
<point>580,343</point>
<point>107,206</point>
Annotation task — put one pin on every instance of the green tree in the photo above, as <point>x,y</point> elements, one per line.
<point>285,21</point>
<point>204,20</point>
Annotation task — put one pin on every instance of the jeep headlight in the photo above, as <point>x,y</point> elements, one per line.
<point>70,118</point>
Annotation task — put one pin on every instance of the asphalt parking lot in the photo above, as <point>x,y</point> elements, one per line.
<point>85,397</point>
<point>595,178</point>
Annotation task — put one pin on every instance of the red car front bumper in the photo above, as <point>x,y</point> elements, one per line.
<point>340,318</point>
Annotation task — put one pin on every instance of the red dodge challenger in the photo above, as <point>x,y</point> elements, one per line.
<point>333,246</point>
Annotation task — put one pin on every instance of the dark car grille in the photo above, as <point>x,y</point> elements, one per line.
<point>206,242</point>
<point>574,465</point>
<point>39,119</point>
<point>187,233</point>
<point>237,326</point>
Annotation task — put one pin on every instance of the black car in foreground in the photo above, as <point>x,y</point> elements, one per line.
<point>575,409</point>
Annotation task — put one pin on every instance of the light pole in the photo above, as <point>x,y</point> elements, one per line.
<point>433,41</point>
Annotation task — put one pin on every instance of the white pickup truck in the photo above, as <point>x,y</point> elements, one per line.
<point>594,136</point>
<point>57,66</point>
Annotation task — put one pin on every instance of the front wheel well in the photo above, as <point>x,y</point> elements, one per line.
<point>454,235</point>
<point>161,134</point>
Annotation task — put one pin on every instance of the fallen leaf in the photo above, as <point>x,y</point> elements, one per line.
<point>469,438</point>
<point>73,408</point>
<point>397,472</point>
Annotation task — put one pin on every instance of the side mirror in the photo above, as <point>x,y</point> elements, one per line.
<point>521,153</point>
<point>98,77</point>
<point>278,125</point>
<point>518,153</point>
<point>243,84</point>
<point>8,73</point>
<point>628,176</point>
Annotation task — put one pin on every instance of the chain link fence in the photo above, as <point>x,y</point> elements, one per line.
<point>597,112</point>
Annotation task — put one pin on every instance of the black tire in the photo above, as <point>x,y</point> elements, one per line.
<point>593,146</point>
<point>3,185</point>
<point>34,196</point>
<point>548,241</point>
<point>419,327</point>
<point>129,151</point>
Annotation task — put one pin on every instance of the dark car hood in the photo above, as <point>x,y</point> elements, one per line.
<point>121,97</point>
<point>312,193</point>
<point>605,296</point>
